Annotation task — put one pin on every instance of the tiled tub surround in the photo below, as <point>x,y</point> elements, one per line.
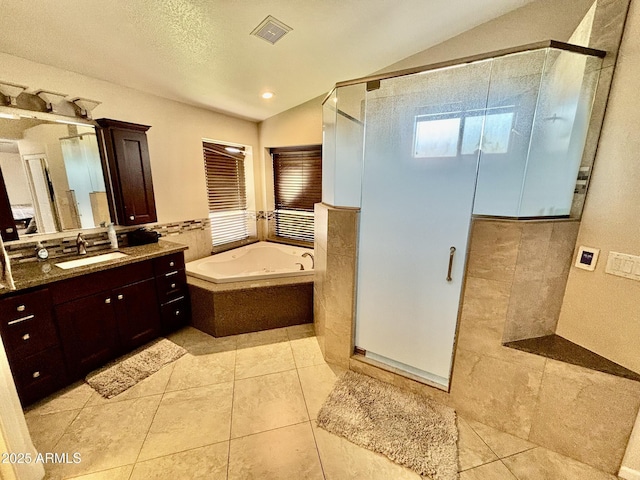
<point>583,414</point>
<point>222,309</point>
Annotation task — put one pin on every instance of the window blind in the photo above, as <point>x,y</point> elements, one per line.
<point>297,178</point>
<point>227,193</point>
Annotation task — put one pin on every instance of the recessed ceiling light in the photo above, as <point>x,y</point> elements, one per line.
<point>268,95</point>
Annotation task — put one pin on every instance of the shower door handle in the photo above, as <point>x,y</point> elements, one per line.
<point>452,252</point>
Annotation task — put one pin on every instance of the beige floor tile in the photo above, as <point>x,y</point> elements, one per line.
<point>343,460</point>
<point>199,370</point>
<point>71,398</point>
<point>266,337</point>
<point>472,451</point>
<point>489,471</point>
<point>306,352</point>
<point>188,336</point>
<point>301,331</point>
<point>189,419</point>
<point>264,359</point>
<point>267,402</point>
<point>501,443</point>
<point>47,429</point>
<point>542,464</point>
<point>212,345</point>
<point>317,383</point>
<point>119,473</point>
<point>106,436</point>
<point>285,453</point>
<point>154,384</point>
<point>205,463</point>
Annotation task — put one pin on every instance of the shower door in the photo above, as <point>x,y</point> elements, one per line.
<point>421,155</point>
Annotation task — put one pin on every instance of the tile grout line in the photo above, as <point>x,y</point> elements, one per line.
<point>233,394</point>
<point>313,433</point>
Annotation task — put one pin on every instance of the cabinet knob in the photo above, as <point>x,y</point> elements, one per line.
<point>35,374</point>
<point>107,300</point>
<point>20,308</point>
<point>132,217</point>
<point>9,230</point>
<point>177,313</point>
<point>171,264</point>
<point>173,285</point>
<point>120,297</point>
<point>26,337</point>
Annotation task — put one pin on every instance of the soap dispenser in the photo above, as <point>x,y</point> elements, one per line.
<point>41,253</point>
<point>113,238</point>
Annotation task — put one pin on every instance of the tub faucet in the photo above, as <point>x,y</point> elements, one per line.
<point>82,244</point>
<point>310,255</point>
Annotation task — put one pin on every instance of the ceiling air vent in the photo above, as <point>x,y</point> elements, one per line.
<point>271,29</point>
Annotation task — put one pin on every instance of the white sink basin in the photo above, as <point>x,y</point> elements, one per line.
<point>81,262</point>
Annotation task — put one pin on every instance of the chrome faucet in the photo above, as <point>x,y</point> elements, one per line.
<point>310,255</point>
<point>82,244</point>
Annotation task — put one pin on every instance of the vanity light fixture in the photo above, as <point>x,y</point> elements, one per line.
<point>9,116</point>
<point>86,106</point>
<point>52,99</point>
<point>268,95</point>
<point>11,91</point>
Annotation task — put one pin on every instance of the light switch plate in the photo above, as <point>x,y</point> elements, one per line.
<point>587,258</point>
<point>623,265</point>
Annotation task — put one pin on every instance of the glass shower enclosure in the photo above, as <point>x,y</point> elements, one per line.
<point>422,151</point>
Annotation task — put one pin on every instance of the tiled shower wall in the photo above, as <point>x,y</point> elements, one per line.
<point>512,268</point>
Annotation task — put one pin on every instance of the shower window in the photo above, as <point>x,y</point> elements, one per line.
<point>459,133</point>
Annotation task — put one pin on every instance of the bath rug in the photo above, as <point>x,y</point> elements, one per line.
<point>124,372</point>
<point>409,429</point>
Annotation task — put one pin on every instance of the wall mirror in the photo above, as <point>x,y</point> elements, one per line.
<point>50,175</point>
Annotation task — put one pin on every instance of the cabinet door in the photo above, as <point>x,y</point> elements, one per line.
<point>88,331</point>
<point>125,156</point>
<point>138,314</point>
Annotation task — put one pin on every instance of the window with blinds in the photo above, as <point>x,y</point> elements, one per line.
<point>227,192</point>
<point>297,179</point>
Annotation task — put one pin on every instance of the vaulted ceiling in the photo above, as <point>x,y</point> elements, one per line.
<point>201,52</point>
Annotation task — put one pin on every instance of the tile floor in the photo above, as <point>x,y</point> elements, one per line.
<point>243,407</point>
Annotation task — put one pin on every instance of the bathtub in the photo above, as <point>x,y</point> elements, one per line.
<point>262,260</point>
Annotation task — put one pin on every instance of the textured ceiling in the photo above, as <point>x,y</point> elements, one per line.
<point>200,51</point>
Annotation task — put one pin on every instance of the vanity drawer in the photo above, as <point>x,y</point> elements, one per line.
<point>27,325</point>
<point>175,314</point>
<point>171,285</point>
<point>168,263</point>
<point>29,335</point>
<point>19,307</point>
<point>39,375</point>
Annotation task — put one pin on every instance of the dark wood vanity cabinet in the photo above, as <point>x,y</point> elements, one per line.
<point>31,342</point>
<point>125,154</point>
<point>88,331</point>
<point>57,334</point>
<point>98,327</point>
<point>173,293</point>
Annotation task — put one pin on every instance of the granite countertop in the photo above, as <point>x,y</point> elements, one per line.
<point>33,274</point>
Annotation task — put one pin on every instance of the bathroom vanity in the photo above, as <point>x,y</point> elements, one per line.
<point>61,324</point>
